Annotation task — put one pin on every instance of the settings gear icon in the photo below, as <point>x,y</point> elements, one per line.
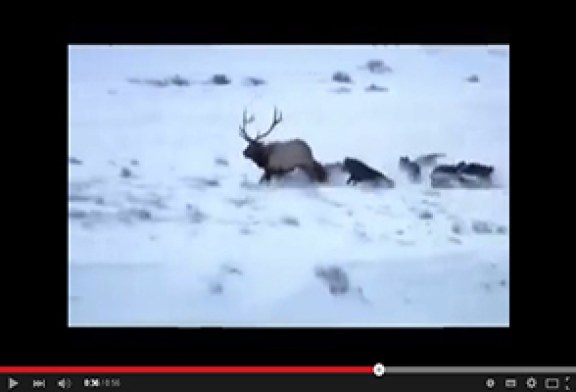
<point>531,383</point>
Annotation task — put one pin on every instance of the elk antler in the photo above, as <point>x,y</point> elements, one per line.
<point>275,121</point>
<point>246,121</point>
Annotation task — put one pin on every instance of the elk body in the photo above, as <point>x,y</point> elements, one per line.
<point>280,158</point>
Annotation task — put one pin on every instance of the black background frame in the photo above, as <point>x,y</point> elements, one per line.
<point>34,321</point>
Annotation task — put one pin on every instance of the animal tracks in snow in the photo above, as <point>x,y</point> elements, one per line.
<point>401,217</point>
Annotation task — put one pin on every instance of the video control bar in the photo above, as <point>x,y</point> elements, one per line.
<point>365,378</point>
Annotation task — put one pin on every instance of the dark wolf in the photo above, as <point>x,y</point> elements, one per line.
<point>475,175</point>
<point>477,170</point>
<point>466,174</point>
<point>446,175</point>
<point>428,159</point>
<point>360,172</point>
<point>410,167</point>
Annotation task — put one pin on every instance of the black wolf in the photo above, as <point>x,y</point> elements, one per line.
<point>467,174</point>
<point>445,175</point>
<point>477,170</point>
<point>360,172</point>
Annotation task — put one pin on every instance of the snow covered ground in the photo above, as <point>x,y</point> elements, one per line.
<point>169,227</point>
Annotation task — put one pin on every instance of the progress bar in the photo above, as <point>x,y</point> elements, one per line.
<point>378,369</point>
<point>190,369</point>
<point>478,369</point>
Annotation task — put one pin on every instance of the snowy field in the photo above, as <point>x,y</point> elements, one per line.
<point>168,225</point>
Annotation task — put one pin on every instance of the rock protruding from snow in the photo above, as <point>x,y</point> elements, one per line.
<point>209,182</point>
<point>221,162</point>
<point>378,66</point>
<point>77,214</point>
<point>473,79</point>
<point>484,227</point>
<point>195,215</point>
<point>457,228</point>
<point>74,161</point>
<point>290,221</point>
<point>175,80</point>
<point>126,173</point>
<point>336,279</point>
<point>201,182</point>
<point>375,88</point>
<point>251,81</point>
<point>85,198</point>
<point>342,90</point>
<point>241,202</point>
<point>341,77</point>
<point>425,215</point>
<point>220,79</point>
<point>481,227</point>
<point>216,288</point>
<point>178,80</point>
<point>231,270</point>
<point>134,214</point>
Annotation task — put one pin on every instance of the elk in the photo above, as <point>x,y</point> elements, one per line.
<point>280,158</point>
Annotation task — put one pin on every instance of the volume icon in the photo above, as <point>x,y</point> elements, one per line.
<point>65,383</point>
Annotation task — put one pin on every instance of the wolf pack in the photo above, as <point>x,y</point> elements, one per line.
<point>460,175</point>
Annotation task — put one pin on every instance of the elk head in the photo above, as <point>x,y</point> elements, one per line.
<point>257,151</point>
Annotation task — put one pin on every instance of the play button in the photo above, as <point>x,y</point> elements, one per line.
<point>12,383</point>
